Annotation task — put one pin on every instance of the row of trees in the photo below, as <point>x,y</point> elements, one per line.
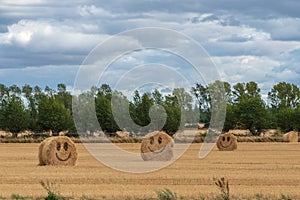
<point>247,110</point>
<point>31,108</point>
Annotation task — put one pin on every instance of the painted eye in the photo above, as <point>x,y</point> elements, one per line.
<point>151,140</point>
<point>223,138</point>
<point>159,140</point>
<point>228,139</point>
<point>66,146</point>
<point>58,146</point>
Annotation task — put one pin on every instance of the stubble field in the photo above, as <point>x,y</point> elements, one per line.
<point>271,169</point>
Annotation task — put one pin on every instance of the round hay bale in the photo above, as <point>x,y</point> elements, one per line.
<point>157,146</point>
<point>227,142</point>
<point>291,136</point>
<point>59,150</point>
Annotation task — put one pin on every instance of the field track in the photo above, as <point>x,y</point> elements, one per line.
<point>255,168</point>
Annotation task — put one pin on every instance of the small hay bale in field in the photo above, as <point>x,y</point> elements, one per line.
<point>122,134</point>
<point>240,132</point>
<point>59,150</point>
<point>5,134</point>
<point>269,133</point>
<point>291,136</point>
<point>157,146</point>
<point>227,142</point>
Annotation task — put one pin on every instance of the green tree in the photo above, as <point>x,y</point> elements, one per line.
<point>251,114</point>
<point>284,95</point>
<point>4,95</point>
<point>248,110</point>
<point>103,109</point>
<point>27,91</point>
<point>285,119</point>
<point>173,111</point>
<point>14,117</point>
<point>53,115</point>
<point>201,93</point>
<point>63,96</point>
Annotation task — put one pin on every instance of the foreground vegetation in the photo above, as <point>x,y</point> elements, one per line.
<point>35,109</point>
<point>162,194</point>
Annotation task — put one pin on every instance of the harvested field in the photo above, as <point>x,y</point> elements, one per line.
<point>254,168</point>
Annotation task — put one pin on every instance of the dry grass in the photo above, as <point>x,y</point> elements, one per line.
<point>270,169</point>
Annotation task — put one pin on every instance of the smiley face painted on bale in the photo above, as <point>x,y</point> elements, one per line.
<point>62,151</point>
<point>227,142</point>
<point>57,151</point>
<point>157,146</point>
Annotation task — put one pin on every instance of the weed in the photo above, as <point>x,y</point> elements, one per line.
<point>166,194</point>
<point>85,197</point>
<point>51,189</point>
<point>17,196</point>
<point>284,197</point>
<point>259,196</point>
<point>223,186</point>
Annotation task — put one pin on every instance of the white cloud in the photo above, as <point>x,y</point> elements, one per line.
<point>234,69</point>
<point>44,36</point>
<point>92,10</point>
<point>21,2</point>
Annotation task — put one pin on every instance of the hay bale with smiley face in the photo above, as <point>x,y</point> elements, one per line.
<point>59,150</point>
<point>227,142</point>
<point>157,146</point>
<point>291,136</point>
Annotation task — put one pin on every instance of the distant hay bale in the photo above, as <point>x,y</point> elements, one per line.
<point>201,125</point>
<point>291,136</point>
<point>240,131</point>
<point>25,134</point>
<point>269,133</point>
<point>59,150</point>
<point>157,146</point>
<point>62,133</point>
<point>122,134</point>
<point>5,134</point>
<point>227,142</point>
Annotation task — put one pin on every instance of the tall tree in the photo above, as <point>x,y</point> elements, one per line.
<point>53,115</point>
<point>63,96</point>
<point>284,95</point>
<point>14,117</point>
<point>104,113</point>
<point>201,93</point>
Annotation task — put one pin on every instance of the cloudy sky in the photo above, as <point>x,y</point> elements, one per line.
<point>43,42</point>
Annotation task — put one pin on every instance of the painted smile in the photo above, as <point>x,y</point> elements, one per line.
<point>225,146</point>
<point>60,159</point>
<point>158,151</point>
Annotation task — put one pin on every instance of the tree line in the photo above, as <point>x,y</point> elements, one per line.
<point>38,110</point>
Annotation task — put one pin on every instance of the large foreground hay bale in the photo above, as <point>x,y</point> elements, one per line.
<point>291,136</point>
<point>227,142</point>
<point>59,150</point>
<point>157,146</point>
